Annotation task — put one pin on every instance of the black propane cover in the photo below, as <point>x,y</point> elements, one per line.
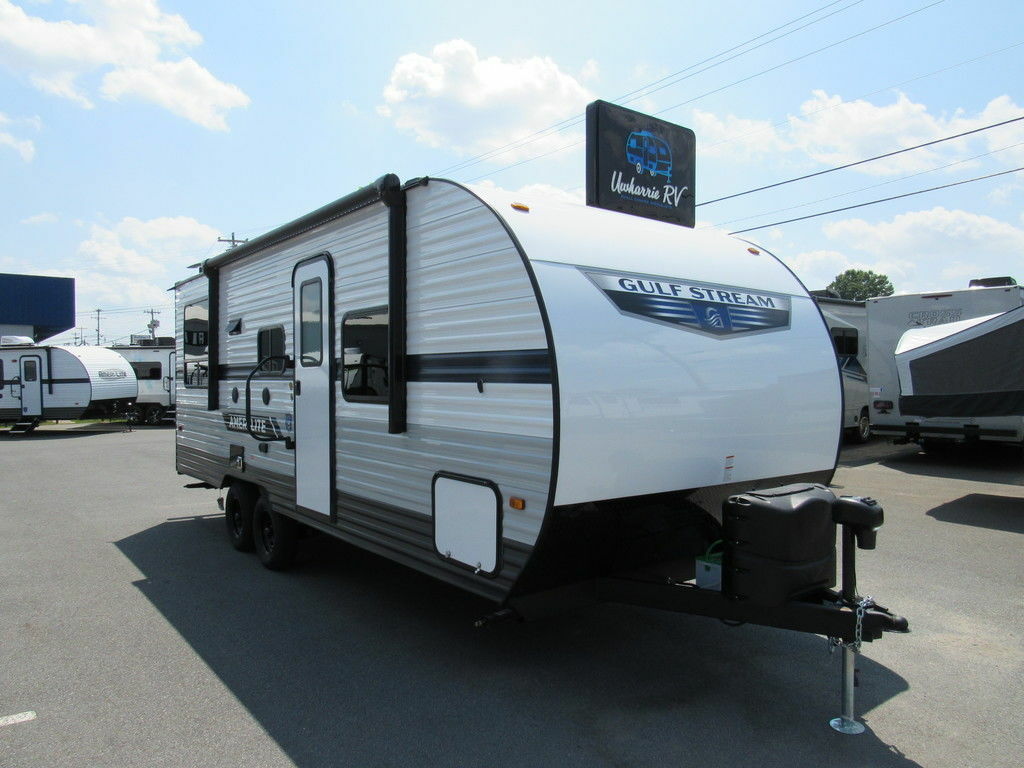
<point>780,543</point>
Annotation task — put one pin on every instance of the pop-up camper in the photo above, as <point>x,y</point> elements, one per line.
<point>899,325</point>
<point>544,404</point>
<point>968,369</point>
<point>43,382</point>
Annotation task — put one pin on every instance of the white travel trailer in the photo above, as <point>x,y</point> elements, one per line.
<point>847,322</point>
<point>44,382</point>
<point>153,361</point>
<point>527,399</point>
<point>898,324</point>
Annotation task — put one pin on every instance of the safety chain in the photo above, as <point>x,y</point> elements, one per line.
<point>858,629</point>
<point>862,607</point>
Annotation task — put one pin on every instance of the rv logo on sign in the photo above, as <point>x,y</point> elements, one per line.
<point>718,310</point>
<point>112,373</point>
<point>264,426</point>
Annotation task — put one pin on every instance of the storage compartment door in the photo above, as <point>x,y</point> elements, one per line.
<point>467,521</point>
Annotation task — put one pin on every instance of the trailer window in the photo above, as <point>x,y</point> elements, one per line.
<point>845,341</point>
<point>311,324</point>
<point>147,371</point>
<point>270,343</point>
<point>31,373</point>
<point>196,337</point>
<point>364,370</point>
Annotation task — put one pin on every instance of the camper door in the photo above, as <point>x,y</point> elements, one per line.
<point>31,385</point>
<point>313,302</point>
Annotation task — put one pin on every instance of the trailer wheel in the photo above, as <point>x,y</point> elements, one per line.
<point>862,432</point>
<point>239,505</point>
<point>275,536</point>
<point>155,415</point>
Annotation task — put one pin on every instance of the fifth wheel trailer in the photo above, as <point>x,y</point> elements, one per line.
<point>54,382</point>
<point>544,404</point>
<point>893,318</point>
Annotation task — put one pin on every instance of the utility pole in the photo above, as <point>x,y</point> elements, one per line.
<point>235,242</point>
<point>153,323</point>
<point>98,326</point>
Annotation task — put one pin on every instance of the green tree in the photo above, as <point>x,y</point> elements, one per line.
<point>861,284</point>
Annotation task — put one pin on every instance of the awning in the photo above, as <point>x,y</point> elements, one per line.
<point>965,369</point>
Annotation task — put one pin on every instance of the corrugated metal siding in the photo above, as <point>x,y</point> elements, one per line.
<point>96,359</point>
<point>468,291</point>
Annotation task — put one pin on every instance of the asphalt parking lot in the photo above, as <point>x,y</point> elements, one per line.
<point>137,637</point>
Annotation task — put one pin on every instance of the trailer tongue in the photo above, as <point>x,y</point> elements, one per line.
<point>778,568</point>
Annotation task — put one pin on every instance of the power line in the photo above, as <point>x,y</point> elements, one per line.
<point>637,93</point>
<point>871,93</point>
<point>861,162</point>
<point>876,202</point>
<point>863,189</point>
<point>724,87</point>
<point>801,57</point>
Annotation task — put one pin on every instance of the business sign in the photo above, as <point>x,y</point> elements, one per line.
<point>639,164</point>
<point>718,310</point>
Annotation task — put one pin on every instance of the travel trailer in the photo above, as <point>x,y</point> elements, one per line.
<point>544,404</point>
<point>900,324</point>
<point>55,382</point>
<point>847,323</point>
<point>153,360</point>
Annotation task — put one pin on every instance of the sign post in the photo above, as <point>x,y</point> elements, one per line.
<point>639,164</point>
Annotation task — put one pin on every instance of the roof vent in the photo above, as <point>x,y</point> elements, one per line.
<point>991,282</point>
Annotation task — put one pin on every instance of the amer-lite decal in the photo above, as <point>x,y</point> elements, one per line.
<point>720,310</point>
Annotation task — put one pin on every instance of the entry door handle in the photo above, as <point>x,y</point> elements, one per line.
<point>298,388</point>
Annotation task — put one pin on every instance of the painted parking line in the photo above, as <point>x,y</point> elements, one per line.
<point>21,717</point>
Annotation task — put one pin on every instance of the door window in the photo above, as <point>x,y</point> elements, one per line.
<point>31,370</point>
<point>311,320</point>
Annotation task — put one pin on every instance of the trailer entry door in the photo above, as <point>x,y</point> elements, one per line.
<point>314,414</point>
<point>31,386</point>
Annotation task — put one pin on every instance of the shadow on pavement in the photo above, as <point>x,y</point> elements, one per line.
<point>983,510</point>
<point>350,659</point>
<point>986,462</point>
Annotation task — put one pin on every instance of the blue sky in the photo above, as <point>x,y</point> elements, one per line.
<point>133,133</point>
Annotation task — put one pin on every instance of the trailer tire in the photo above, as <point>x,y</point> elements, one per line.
<point>862,432</point>
<point>155,415</point>
<point>239,504</point>
<point>275,536</point>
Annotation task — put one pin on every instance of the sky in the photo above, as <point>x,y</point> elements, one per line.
<point>135,133</point>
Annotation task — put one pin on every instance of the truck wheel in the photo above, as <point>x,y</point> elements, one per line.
<point>239,505</point>
<point>275,536</point>
<point>862,432</point>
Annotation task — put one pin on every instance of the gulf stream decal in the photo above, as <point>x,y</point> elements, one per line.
<point>720,310</point>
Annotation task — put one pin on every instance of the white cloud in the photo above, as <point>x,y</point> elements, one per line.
<point>136,45</point>
<point>715,136</point>
<point>531,191</point>
<point>835,132</point>
<point>24,147</point>
<point>41,218</point>
<point>456,99</point>
<point>145,249</point>
<point>937,249</point>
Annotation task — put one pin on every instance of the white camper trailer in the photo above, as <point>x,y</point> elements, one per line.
<point>43,382</point>
<point>529,400</point>
<point>847,323</point>
<point>153,361</point>
<point>898,324</point>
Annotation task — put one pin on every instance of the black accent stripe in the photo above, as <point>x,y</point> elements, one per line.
<point>66,381</point>
<point>519,366</point>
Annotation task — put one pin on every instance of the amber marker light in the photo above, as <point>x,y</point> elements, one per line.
<point>521,207</point>
<point>516,503</point>
<point>754,251</point>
